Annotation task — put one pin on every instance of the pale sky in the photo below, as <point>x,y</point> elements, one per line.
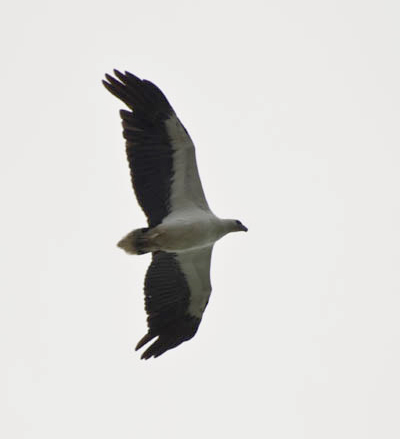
<point>294,110</point>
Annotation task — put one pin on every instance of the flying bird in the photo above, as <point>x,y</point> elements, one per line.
<point>181,229</point>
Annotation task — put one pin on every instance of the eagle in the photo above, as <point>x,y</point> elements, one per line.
<point>181,228</point>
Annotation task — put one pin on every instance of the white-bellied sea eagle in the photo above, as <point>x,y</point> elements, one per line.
<point>181,228</point>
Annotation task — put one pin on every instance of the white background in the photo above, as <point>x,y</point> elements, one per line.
<point>294,108</point>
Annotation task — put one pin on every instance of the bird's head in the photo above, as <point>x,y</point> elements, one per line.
<point>239,227</point>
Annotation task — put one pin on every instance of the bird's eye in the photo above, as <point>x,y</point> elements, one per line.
<point>238,223</point>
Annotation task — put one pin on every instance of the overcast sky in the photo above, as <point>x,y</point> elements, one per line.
<point>294,110</point>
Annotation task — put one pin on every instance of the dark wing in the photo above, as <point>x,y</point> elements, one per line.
<point>156,142</point>
<point>177,288</point>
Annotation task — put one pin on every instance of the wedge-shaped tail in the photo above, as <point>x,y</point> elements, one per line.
<point>135,242</point>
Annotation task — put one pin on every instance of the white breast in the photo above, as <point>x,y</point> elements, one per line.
<point>189,230</point>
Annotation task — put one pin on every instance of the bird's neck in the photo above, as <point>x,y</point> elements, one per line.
<point>228,226</point>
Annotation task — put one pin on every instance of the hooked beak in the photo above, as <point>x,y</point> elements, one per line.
<point>244,228</point>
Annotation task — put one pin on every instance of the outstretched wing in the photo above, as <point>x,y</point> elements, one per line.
<point>160,152</point>
<point>177,288</point>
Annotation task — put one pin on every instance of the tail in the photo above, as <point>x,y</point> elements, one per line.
<point>135,242</point>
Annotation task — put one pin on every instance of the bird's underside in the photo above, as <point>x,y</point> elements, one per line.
<point>181,228</point>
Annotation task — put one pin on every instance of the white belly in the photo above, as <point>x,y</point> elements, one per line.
<point>188,232</point>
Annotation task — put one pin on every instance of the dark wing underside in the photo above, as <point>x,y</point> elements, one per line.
<point>148,146</point>
<point>167,298</point>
